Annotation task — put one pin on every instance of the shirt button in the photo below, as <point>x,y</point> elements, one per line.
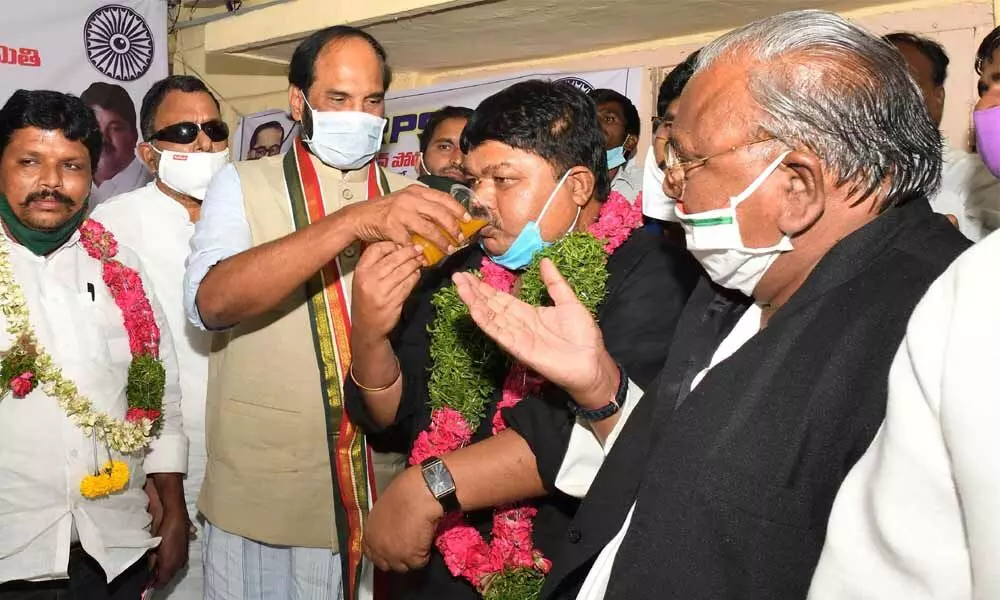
<point>347,194</point>
<point>574,535</point>
<point>350,252</point>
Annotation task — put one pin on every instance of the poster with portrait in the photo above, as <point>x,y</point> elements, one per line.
<point>108,53</point>
<point>408,111</point>
<point>266,133</point>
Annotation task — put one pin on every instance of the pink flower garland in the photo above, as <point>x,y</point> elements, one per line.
<point>465,552</point>
<point>617,220</point>
<point>125,285</point>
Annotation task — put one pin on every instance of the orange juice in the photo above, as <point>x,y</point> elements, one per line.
<point>433,254</point>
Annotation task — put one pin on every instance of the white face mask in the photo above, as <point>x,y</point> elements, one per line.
<point>344,139</point>
<point>190,172</point>
<point>656,204</point>
<point>713,237</point>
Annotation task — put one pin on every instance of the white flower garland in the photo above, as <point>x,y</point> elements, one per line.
<point>117,434</point>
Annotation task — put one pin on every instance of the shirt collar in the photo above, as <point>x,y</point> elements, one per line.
<point>72,241</point>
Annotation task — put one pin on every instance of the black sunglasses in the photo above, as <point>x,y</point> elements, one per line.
<point>187,132</point>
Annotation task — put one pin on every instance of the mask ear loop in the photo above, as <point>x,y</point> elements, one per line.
<point>545,208</point>
<point>771,168</point>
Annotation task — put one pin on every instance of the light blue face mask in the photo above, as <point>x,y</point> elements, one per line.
<point>529,241</point>
<point>616,157</point>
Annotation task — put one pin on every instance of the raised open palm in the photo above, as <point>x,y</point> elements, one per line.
<point>561,343</point>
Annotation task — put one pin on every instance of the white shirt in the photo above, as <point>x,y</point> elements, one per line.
<point>918,517</point>
<point>132,177</point>
<point>628,180</point>
<point>44,456</point>
<point>584,455</point>
<point>159,230</point>
<point>969,192</point>
<point>221,232</point>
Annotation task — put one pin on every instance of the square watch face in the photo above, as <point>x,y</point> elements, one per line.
<point>438,479</point>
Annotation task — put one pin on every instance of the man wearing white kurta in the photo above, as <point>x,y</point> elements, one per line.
<point>917,516</point>
<point>157,221</point>
<point>54,541</point>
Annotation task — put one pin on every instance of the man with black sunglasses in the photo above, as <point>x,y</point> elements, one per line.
<point>185,142</point>
<point>289,478</point>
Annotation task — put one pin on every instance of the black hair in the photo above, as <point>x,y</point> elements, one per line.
<point>268,125</point>
<point>674,83</point>
<point>448,112</point>
<point>111,97</point>
<point>302,68</point>
<point>552,120</point>
<point>51,111</point>
<point>158,91</point>
<point>602,95</point>
<point>986,49</point>
<point>929,48</point>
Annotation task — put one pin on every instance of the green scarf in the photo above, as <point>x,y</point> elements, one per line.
<point>40,242</point>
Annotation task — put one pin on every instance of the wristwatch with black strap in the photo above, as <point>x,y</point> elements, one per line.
<point>440,483</point>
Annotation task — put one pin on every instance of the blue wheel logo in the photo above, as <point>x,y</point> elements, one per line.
<point>118,42</point>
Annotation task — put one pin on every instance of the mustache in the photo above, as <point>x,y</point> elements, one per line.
<point>49,195</point>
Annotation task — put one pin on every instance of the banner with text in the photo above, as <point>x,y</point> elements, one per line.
<point>409,111</point>
<point>108,53</point>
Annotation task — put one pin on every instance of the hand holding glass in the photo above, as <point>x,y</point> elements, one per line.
<point>480,218</point>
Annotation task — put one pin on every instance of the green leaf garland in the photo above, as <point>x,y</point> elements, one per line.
<point>466,364</point>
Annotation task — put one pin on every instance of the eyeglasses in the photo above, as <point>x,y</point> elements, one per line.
<point>677,170</point>
<point>262,151</point>
<point>187,132</point>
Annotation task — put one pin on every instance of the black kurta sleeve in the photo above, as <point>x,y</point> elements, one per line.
<point>648,286</point>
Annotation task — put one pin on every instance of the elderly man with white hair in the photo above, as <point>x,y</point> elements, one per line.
<point>804,161</point>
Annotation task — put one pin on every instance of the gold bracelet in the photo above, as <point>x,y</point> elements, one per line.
<point>399,373</point>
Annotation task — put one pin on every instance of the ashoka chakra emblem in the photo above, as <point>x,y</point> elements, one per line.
<point>118,42</point>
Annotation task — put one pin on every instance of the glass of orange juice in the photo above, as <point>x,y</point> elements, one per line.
<point>480,218</point>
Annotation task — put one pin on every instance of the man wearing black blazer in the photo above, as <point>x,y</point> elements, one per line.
<point>805,159</point>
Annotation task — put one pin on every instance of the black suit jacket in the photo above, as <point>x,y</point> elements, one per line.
<point>733,482</point>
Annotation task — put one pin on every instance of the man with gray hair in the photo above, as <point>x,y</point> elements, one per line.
<point>803,160</point>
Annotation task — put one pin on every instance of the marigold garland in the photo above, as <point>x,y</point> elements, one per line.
<point>112,478</point>
<point>26,364</point>
<point>466,365</point>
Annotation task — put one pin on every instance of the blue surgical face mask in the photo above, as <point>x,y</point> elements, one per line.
<point>529,241</point>
<point>616,157</point>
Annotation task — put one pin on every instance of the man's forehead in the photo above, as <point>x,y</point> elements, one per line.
<point>715,107</point>
<point>180,106</point>
<point>350,61</point>
<point>107,114</point>
<point>450,129</point>
<point>493,155</point>
<point>611,106</point>
<point>37,139</point>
